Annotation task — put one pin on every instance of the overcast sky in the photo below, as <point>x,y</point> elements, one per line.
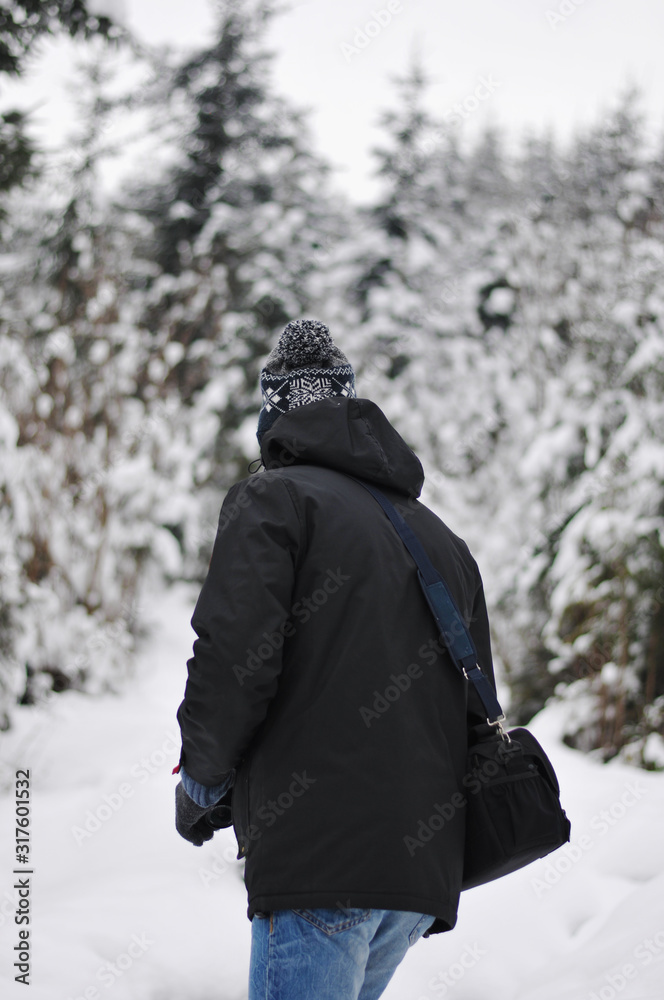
<point>518,63</point>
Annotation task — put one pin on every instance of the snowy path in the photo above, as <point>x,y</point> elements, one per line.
<point>122,908</point>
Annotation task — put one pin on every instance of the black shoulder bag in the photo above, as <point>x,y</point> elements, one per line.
<point>513,811</point>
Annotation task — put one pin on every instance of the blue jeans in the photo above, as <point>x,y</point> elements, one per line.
<point>329,954</point>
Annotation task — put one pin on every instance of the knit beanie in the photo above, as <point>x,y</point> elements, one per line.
<point>304,366</point>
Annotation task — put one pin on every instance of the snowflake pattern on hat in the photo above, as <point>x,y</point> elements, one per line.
<point>308,390</point>
<point>284,392</point>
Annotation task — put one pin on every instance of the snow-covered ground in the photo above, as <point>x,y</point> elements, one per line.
<point>122,908</point>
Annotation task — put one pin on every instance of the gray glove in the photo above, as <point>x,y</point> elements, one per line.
<point>191,821</point>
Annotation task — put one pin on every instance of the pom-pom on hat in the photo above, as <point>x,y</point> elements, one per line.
<point>306,365</point>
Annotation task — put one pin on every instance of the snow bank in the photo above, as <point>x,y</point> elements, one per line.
<point>123,908</point>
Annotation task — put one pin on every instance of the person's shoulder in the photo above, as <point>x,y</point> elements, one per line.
<point>302,473</point>
<point>257,481</point>
<point>269,484</point>
<point>458,543</point>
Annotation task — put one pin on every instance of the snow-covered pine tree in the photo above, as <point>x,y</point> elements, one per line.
<point>526,343</point>
<point>530,356</point>
<point>80,511</point>
<point>23,25</point>
<point>244,229</point>
<point>418,270</point>
<point>588,601</point>
<point>392,264</point>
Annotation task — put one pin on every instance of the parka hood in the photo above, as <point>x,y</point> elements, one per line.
<point>350,435</point>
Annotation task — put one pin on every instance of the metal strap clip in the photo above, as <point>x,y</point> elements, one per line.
<point>499,724</point>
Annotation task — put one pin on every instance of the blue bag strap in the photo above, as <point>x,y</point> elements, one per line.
<point>451,625</point>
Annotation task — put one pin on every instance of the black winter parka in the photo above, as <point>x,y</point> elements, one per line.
<point>318,675</point>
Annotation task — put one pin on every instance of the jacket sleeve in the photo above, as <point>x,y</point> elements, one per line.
<point>242,619</point>
<point>481,636</point>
